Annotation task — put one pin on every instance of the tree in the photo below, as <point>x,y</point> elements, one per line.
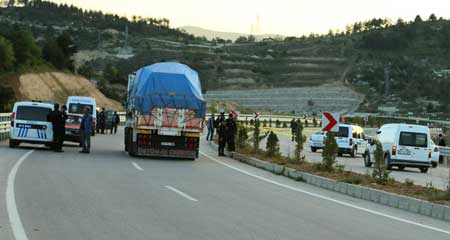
<point>330,152</point>
<point>25,49</point>
<point>299,140</point>
<point>7,58</point>
<point>257,138</point>
<point>380,172</point>
<point>53,54</point>
<point>314,122</point>
<point>432,18</point>
<point>242,136</point>
<point>6,99</point>
<point>418,19</point>
<point>111,73</point>
<point>68,47</point>
<point>272,145</point>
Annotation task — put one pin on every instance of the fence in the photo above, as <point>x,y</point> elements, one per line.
<point>4,125</point>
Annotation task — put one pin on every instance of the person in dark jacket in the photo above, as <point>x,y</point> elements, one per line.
<point>63,126</point>
<point>56,118</point>
<point>293,128</point>
<point>221,132</point>
<point>211,125</point>
<point>230,133</point>
<point>102,121</point>
<point>115,123</point>
<point>86,130</point>
<point>441,143</point>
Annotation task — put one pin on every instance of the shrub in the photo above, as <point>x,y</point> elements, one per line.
<point>409,182</point>
<point>277,123</point>
<point>314,122</point>
<point>353,179</point>
<point>330,152</point>
<point>242,136</point>
<point>257,138</point>
<point>380,173</point>
<point>300,140</point>
<point>284,125</point>
<point>306,123</point>
<point>272,145</point>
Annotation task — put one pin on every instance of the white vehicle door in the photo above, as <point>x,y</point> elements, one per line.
<point>413,146</point>
<point>31,124</point>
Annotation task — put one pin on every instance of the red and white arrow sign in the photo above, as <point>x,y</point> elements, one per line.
<point>329,122</point>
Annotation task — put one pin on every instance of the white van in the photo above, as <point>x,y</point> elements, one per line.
<point>76,105</point>
<point>404,145</point>
<point>29,124</point>
<point>350,139</point>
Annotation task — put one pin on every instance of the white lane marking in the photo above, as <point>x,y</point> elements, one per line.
<point>328,198</point>
<point>11,206</point>
<point>137,166</point>
<point>181,193</point>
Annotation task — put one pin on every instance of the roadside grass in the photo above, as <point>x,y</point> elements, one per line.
<point>428,193</point>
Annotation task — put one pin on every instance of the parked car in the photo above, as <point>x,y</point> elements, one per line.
<point>351,139</point>
<point>29,124</point>
<point>316,141</point>
<point>404,145</point>
<point>73,128</point>
<point>436,151</point>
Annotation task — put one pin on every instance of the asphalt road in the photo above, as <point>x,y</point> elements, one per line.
<point>108,195</point>
<point>439,176</point>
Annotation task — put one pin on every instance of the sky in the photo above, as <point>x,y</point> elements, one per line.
<point>286,17</point>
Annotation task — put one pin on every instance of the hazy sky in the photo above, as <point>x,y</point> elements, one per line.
<point>287,17</point>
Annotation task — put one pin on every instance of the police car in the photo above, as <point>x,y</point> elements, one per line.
<point>29,124</point>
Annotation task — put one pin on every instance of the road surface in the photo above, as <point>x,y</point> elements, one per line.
<point>439,176</point>
<point>108,195</point>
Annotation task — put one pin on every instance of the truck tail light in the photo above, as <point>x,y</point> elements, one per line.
<point>350,142</point>
<point>394,150</point>
<point>13,118</point>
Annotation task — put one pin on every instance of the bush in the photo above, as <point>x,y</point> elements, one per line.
<point>300,140</point>
<point>330,152</point>
<point>409,182</point>
<point>284,125</point>
<point>353,179</point>
<point>242,136</point>
<point>306,123</point>
<point>257,138</point>
<point>272,145</point>
<point>314,122</point>
<point>380,173</point>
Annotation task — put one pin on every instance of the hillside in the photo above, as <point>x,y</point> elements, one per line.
<point>55,86</point>
<point>210,34</point>
<point>404,65</point>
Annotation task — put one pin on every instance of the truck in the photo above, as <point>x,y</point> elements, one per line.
<point>165,112</point>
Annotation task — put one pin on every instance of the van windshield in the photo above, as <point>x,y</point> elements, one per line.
<point>343,132</point>
<point>32,113</point>
<point>413,139</point>
<point>77,108</point>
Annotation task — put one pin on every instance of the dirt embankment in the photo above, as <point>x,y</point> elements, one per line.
<point>56,86</point>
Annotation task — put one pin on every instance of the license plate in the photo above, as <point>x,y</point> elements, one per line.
<point>168,144</point>
<point>404,151</point>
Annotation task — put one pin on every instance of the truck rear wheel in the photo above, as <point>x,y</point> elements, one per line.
<point>13,143</point>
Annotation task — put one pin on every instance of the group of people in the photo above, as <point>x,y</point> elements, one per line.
<point>226,131</point>
<point>102,120</point>
<point>58,118</point>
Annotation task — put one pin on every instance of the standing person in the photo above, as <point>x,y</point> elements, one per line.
<point>86,129</point>
<point>97,124</point>
<point>115,122</point>
<point>221,131</point>
<point>102,121</point>
<point>293,128</point>
<point>230,133</point>
<point>210,124</point>
<point>441,144</point>
<point>63,127</point>
<point>55,117</point>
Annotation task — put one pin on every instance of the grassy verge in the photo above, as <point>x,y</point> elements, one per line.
<point>428,193</point>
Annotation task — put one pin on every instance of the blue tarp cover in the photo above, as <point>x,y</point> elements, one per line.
<point>167,85</point>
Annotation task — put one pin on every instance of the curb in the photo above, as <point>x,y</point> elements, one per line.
<point>409,204</point>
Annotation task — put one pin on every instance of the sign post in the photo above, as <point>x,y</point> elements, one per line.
<point>329,122</point>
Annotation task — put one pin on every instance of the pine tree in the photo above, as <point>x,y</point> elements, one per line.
<point>380,172</point>
<point>272,145</point>
<point>330,152</point>
<point>300,140</point>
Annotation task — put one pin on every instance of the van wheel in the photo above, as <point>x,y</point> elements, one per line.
<point>13,143</point>
<point>339,154</point>
<point>401,168</point>
<point>367,161</point>
<point>352,153</point>
<point>313,149</point>
<point>387,162</point>
<point>424,170</point>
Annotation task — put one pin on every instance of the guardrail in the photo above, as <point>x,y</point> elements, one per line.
<point>444,151</point>
<point>4,125</point>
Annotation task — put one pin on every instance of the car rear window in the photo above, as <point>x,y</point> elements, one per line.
<point>343,132</point>
<point>32,113</point>
<point>413,139</point>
